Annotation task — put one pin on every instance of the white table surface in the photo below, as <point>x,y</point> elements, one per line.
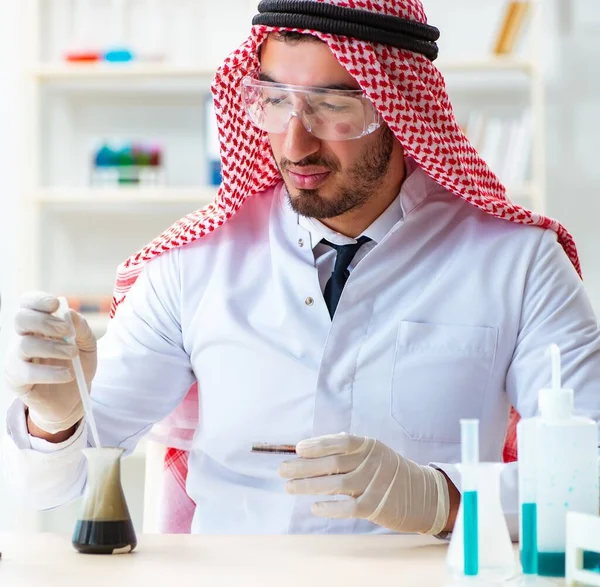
<point>49,560</point>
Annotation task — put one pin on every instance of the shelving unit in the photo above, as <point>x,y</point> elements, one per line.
<point>60,71</point>
<point>497,80</point>
<point>67,106</point>
<point>125,196</point>
<point>486,64</point>
<point>124,71</point>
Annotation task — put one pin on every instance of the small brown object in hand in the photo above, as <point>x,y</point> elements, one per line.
<point>265,447</point>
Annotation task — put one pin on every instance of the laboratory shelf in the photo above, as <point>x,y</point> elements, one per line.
<point>151,195</point>
<point>66,71</point>
<point>491,63</point>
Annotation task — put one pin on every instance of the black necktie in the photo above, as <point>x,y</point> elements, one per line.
<point>337,281</point>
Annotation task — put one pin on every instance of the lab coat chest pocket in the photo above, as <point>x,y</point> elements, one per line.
<point>440,375</point>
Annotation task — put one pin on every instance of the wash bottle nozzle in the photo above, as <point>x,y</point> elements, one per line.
<point>555,401</point>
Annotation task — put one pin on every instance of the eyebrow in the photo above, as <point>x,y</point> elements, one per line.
<point>263,77</point>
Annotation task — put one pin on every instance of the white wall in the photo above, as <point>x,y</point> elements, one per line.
<point>8,202</point>
<point>574,132</point>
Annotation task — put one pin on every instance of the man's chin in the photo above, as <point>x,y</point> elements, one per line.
<point>310,204</point>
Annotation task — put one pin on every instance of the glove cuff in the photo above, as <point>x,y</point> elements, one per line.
<point>56,426</point>
<point>443,502</point>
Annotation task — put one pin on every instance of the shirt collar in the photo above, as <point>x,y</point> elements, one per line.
<point>376,231</point>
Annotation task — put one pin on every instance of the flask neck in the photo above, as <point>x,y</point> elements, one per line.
<point>103,498</point>
<point>103,464</point>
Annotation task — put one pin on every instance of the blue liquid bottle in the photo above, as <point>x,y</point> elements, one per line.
<point>566,473</point>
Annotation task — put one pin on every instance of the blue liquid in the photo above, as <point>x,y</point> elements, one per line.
<point>118,55</point>
<point>551,564</point>
<point>529,544</point>
<point>591,561</point>
<point>471,534</point>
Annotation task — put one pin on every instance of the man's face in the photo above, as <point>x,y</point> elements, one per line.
<point>325,179</point>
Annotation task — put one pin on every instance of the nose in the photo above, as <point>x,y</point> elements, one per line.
<point>299,143</point>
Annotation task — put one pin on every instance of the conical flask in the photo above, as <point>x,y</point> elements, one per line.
<point>495,554</point>
<point>104,526</point>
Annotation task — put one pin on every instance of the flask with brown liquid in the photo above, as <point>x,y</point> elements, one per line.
<point>104,526</point>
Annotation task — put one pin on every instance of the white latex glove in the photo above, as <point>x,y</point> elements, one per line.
<point>386,488</point>
<point>39,370</point>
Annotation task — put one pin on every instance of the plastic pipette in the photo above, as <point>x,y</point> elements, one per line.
<point>63,310</point>
<point>469,440</point>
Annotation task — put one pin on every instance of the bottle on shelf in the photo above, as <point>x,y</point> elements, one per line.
<point>81,49</point>
<point>119,50</point>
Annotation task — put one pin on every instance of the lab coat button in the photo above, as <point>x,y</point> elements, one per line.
<point>300,242</point>
<point>309,301</point>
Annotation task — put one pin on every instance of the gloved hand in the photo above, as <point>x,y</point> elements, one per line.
<point>386,488</point>
<point>39,369</point>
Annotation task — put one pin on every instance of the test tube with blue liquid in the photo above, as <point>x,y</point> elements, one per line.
<point>526,446</point>
<point>470,459</point>
<point>480,549</point>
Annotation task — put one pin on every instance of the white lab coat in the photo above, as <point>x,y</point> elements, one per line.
<point>447,317</point>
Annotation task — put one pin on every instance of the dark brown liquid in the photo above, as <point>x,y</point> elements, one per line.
<point>91,537</point>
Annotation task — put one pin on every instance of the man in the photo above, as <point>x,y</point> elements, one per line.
<point>360,285</point>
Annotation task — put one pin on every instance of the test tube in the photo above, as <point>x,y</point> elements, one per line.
<point>469,439</point>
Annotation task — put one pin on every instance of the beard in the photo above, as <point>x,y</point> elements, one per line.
<point>359,184</point>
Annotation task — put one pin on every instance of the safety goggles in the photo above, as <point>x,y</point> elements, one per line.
<point>330,115</point>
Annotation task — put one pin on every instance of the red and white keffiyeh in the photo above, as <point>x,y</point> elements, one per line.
<point>410,93</point>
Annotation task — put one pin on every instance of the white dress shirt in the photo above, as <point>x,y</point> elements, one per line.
<point>446,315</point>
<point>325,255</point>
